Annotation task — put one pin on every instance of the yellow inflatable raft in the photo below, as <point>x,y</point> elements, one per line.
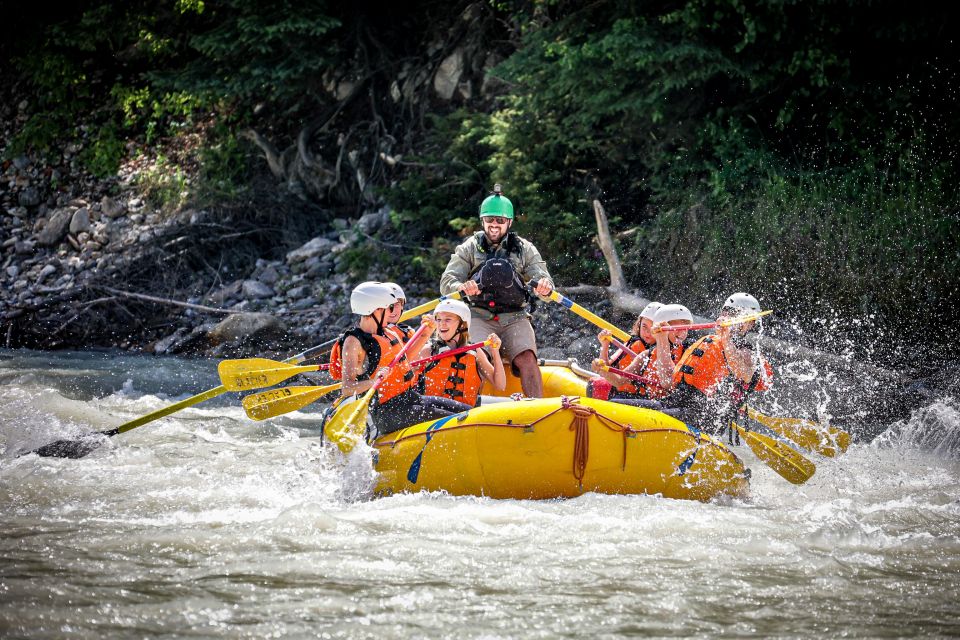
<point>558,448</point>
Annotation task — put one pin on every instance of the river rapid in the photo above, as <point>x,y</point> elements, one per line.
<point>207,524</point>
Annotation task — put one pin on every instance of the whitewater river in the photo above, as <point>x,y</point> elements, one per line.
<point>206,524</point>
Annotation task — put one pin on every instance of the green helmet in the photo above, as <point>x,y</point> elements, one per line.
<point>497,204</point>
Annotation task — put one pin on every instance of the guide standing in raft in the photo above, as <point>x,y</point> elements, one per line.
<point>492,269</point>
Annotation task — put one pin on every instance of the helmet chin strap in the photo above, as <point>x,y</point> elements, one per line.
<point>379,321</point>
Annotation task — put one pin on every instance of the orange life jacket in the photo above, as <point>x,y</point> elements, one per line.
<point>336,353</point>
<point>654,389</point>
<point>622,360</point>
<point>380,351</point>
<point>704,366</point>
<point>400,331</point>
<point>456,377</point>
<point>401,378</point>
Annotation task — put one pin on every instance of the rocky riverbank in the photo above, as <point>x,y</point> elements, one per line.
<point>88,263</point>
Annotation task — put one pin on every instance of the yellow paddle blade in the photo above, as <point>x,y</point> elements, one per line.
<point>256,373</point>
<point>275,402</point>
<point>786,461</point>
<point>823,439</point>
<point>729,322</point>
<point>348,426</point>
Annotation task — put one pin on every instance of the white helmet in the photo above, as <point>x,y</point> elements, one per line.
<point>669,312</point>
<point>367,297</point>
<point>740,303</point>
<point>455,307</point>
<point>650,311</point>
<point>397,291</point>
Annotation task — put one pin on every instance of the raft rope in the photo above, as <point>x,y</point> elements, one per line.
<point>581,442</point>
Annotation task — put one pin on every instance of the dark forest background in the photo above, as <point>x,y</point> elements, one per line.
<point>803,151</point>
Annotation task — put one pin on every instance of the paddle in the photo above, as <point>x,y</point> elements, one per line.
<point>724,322</point>
<point>784,460</point>
<point>348,433</point>
<point>630,376</point>
<point>275,402</point>
<point>427,306</point>
<point>450,353</point>
<point>823,439</point>
<point>78,448</point>
<point>588,315</point>
<point>256,373</point>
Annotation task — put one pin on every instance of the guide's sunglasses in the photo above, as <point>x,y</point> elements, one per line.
<point>395,306</point>
<point>495,219</point>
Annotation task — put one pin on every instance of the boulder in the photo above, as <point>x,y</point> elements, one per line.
<point>111,208</point>
<point>370,223</point>
<point>80,221</point>
<point>225,293</point>
<point>256,289</point>
<point>55,228</point>
<point>29,197</point>
<point>447,78</point>
<point>315,247</point>
<point>246,326</point>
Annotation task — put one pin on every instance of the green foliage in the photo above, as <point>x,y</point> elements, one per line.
<point>103,154</point>
<point>225,166</point>
<point>854,242</point>
<point>164,184</point>
<point>274,51</point>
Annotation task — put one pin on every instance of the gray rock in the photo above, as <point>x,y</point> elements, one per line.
<point>256,289</point>
<point>244,326</point>
<point>29,197</point>
<point>165,345</point>
<point>317,246</point>
<point>447,78</point>
<point>80,222</point>
<point>46,271</point>
<point>299,292</point>
<point>225,293</point>
<point>370,223</point>
<point>13,271</point>
<point>17,212</point>
<point>269,276</point>
<point>111,208</point>
<point>305,303</point>
<point>55,228</point>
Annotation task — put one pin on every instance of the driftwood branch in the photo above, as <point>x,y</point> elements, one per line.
<point>176,303</point>
<point>618,293</point>
<point>617,281</point>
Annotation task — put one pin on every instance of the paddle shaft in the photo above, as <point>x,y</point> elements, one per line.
<point>729,322</point>
<point>622,347</point>
<point>210,393</point>
<point>631,376</point>
<point>428,306</point>
<point>588,315</point>
<point>448,354</point>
